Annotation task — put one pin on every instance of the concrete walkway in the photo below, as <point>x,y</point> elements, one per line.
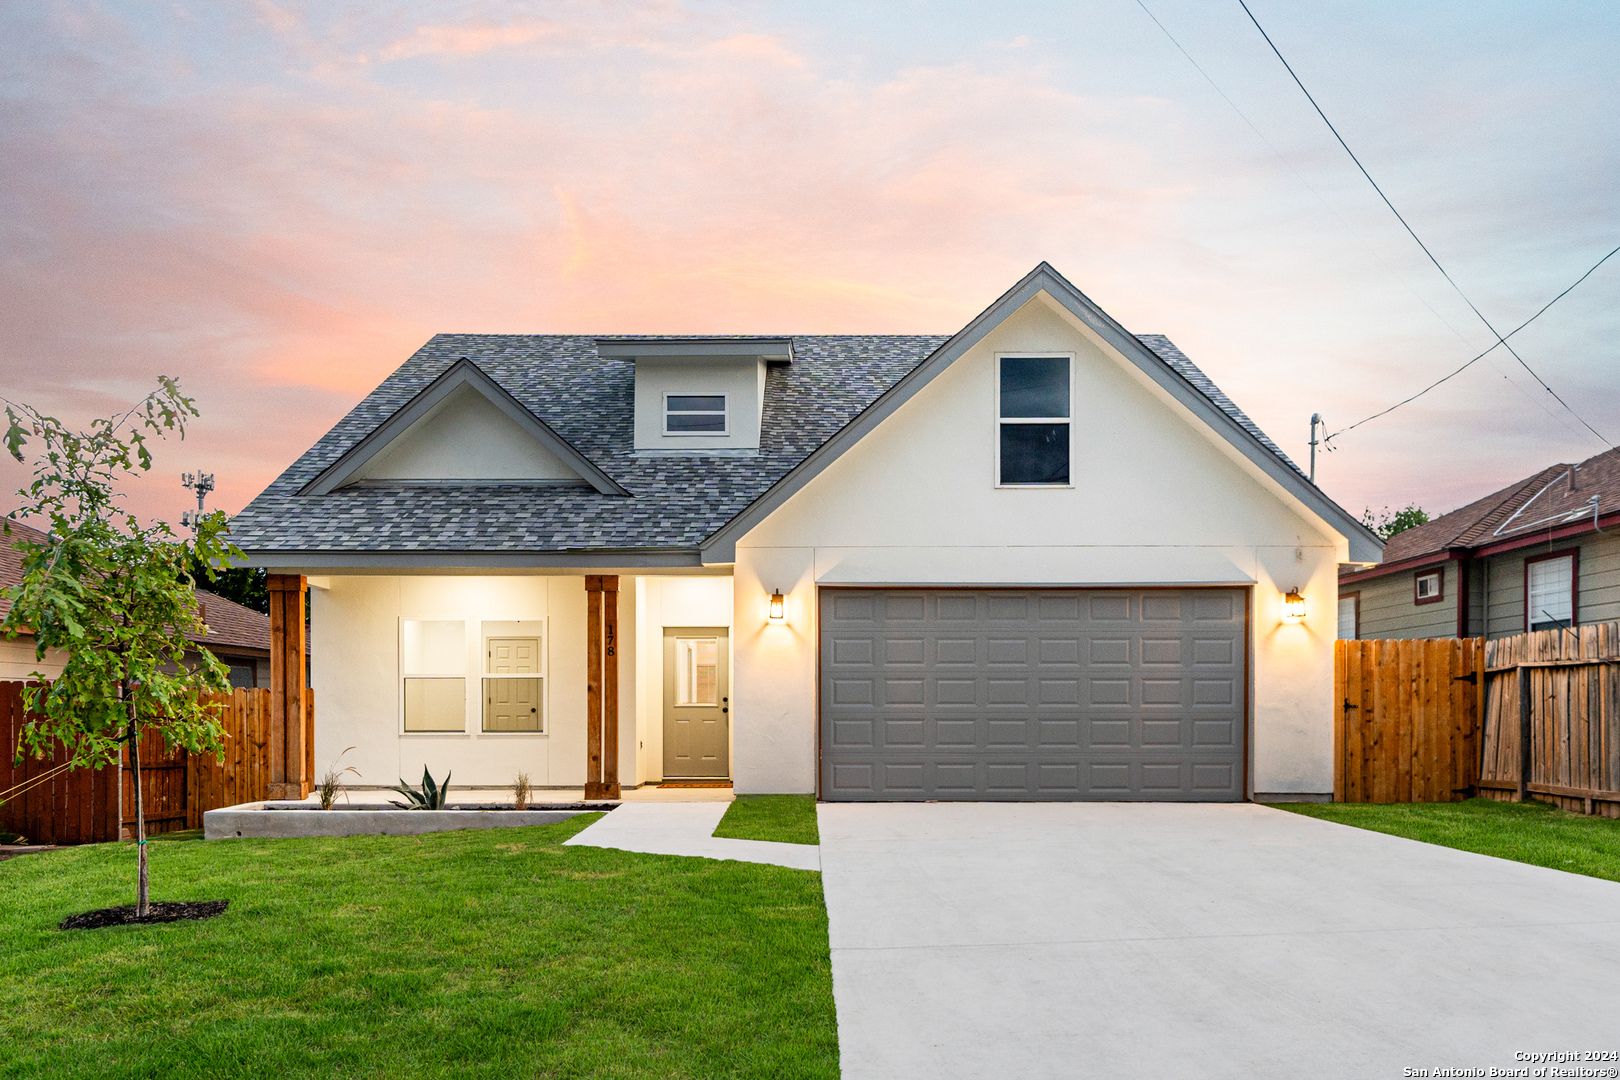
<point>1158,940</point>
<point>686,828</point>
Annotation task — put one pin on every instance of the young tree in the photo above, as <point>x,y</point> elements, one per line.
<point>114,593</point>
<point>1390,523</point>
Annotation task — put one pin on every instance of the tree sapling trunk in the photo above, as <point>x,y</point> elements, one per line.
<point>143,892</point>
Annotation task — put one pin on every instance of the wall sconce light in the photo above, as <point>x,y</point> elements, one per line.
<point>777,612</point>
<point>1293,605</point>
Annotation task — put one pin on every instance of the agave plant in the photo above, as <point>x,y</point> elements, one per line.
<point>431,797</point>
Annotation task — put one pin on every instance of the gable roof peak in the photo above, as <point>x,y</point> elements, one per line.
<point>463,373</point>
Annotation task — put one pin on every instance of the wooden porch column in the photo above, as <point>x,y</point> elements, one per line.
<point>601,686</point>
<point>291,732</point>
<point>610,686</point>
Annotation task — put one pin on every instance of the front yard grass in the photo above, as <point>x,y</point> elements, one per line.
<point>1530,832</point>
<point>490,953</point>
<point>786,819</point>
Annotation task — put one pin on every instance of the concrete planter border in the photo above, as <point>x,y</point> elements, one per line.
<point>268,820</point>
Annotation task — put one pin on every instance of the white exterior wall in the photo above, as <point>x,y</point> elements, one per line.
<point>1157,499</point>
<point>355,672</point>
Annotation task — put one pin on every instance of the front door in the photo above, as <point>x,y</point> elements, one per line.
<point>697,705</point>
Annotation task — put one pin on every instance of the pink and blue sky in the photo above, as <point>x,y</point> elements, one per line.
<point>280,202</point>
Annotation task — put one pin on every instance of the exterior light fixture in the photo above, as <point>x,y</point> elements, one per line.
<point>1293,605</point>
<point>777,614</point>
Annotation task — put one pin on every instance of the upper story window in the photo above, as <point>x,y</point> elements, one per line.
<point>695,414</point>
<point>1032,408</point>
<point>1549,592</point>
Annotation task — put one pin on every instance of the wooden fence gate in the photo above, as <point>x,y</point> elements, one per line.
<point>1552,718</point>
<point>88,806</point>
<point>1407,728</point>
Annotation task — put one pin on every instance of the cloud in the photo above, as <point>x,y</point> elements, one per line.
<point>246,205</point>
<point>467,38</point>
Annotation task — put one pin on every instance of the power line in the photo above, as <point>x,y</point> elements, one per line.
<point>1482,355</point>
<point>1537,402</point>
<point>1500,340</point>
<point>1297,174</point>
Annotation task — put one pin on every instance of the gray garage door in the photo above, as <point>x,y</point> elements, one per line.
<point>1032,694</point>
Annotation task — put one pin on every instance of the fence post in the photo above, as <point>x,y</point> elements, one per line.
<point>1524,733</point>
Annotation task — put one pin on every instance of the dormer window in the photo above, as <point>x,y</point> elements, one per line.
<point>698,396</point>
<point>695,414</point>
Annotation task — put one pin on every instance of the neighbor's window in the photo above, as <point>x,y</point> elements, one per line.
<point>694,414</point>
<point>1348,621</point>
<point>513,678</point>
<point>433,665</point>
<point>697,671</point>
<point>1428,587</point>
<point>1033,405</point>
<point>1549,587</point>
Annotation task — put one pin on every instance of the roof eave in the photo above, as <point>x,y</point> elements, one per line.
<point>327,560</point>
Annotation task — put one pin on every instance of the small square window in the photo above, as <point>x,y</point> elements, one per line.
<point>1033,407</point>
<point>695,414</point>
<point>1428,588</point>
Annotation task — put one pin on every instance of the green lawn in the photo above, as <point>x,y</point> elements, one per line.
<point>787,819</point>
<point>490,953</point>
<point>1526,832</point>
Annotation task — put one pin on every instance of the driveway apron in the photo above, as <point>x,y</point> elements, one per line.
<point>1165,940</point>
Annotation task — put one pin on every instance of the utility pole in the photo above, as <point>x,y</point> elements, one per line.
<point>1316,421</point>
<point>202,483</point>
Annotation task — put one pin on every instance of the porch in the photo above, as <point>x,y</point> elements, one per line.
<point>595,683</point>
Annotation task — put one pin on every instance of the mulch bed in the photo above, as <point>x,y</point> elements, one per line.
<point>168,912</point>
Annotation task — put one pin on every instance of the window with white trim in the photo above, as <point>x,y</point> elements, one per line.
<point>1429,587</point>
<point>433,668</point>
<point>1032,410</point>
<point>695,414</point>
<point>1550,593</point>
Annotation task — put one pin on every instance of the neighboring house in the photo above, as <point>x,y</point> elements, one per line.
<point>1038,559</point>
<point>238,636</point>
<point>1541,553</point>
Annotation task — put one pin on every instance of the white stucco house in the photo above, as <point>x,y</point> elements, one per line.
<point>1041,558</point>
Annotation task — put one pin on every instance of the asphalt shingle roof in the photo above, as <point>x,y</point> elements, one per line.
<point>675,503</point>
<point>1558,495</point>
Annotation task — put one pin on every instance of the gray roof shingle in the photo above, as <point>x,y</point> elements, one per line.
<point>675,503</point>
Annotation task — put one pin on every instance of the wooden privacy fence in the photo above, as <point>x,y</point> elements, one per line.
<point>1407,728</point>
<point>88,806</point>
<point>1531,715</point>
<point>1552,718</point>
<point>76,806</point>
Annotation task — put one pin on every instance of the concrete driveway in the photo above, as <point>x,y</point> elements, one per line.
<point>1175,941</point>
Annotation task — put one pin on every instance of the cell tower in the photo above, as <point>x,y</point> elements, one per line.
<point>202,483</point>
